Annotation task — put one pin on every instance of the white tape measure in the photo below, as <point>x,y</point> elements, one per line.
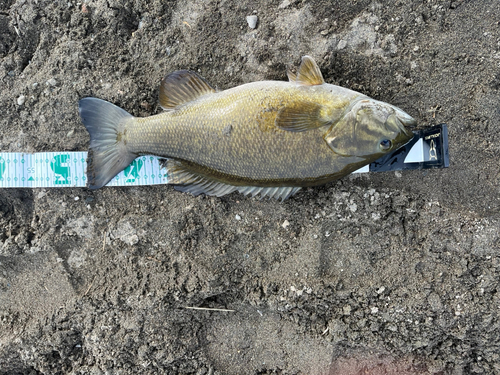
<point>68,169</point>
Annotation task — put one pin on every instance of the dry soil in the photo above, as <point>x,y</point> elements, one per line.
<point>384,273</point>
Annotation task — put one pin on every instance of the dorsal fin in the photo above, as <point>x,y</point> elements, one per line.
<point>308,73</point>
<point>181,87</point>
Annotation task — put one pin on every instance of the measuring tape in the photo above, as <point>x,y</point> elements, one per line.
<point>428,149</point>
<point>68,169</point>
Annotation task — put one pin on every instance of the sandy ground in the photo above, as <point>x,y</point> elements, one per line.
<point>382,273</point>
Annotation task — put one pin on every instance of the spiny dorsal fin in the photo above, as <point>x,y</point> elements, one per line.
<point>309,73</point>
<point>301,117</point>
<point>182,87</point>
<point>187,181</point>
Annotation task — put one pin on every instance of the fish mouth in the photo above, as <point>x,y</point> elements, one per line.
<point>405,124</point>
<point>399,123</point>
<point>405,121</point>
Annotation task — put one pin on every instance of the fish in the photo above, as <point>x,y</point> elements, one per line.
<point>268,137</point>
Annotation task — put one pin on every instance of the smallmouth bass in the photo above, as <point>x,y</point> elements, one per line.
<point>269,138</point>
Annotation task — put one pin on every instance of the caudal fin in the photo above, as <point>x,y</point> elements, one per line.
<point>108,154</point>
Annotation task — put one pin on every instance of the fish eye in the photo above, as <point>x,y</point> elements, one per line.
<point>385,144</point>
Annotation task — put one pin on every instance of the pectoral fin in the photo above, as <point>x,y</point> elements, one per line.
<point>181,87</point>
<point>300,117</point>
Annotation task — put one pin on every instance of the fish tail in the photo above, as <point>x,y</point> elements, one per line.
<point>107,126</point>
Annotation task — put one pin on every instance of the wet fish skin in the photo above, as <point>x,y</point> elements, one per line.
<point>264,137</point>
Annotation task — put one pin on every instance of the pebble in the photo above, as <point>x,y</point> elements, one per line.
<point>238,217</point>
<point>252,21</point>
<point>374,310</point>
<point>21,99</point>
<point>52,82</point>
<point>285,224</point>
<point>284,4</point>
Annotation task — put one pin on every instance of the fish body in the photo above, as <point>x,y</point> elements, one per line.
<point>265,137</point>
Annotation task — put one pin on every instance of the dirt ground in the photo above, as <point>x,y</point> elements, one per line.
<point>381,273</point>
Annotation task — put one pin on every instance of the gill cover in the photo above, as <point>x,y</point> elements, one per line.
<point>370,128</point>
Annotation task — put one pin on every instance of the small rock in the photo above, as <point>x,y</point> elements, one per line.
<point>252,21</point>
<point>285,224</point>
<point>52,82</point>
<point>131,240</point>
<point>434,302</point>
<point>346,310</point>
<point>342,44</point>
<point>284,4</point>
<point>374,310</point>
<point>381,290</point>
<point>21,99</point>
<point>238,217</point>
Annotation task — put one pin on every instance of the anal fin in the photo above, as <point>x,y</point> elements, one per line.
<point>280,192</point>
<point>187,181</point>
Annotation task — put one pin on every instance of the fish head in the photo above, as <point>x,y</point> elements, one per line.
<point>370,129</point>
